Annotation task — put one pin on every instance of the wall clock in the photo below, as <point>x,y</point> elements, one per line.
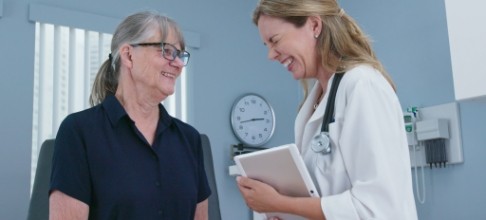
<point>252,120</point>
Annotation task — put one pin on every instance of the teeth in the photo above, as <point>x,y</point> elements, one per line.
<point>287,63</point>
<point>167,75</point>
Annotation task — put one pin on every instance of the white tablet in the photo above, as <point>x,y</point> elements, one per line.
<point>281,167</point>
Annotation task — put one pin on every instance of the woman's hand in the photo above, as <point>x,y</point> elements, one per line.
<point>262,197</point>
<point>259,196</point>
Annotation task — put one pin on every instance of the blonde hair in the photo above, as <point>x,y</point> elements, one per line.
<point>342,43</point>
<point>133,29</point>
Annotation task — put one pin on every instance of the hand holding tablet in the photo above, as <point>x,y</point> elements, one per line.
<point>281,167</point>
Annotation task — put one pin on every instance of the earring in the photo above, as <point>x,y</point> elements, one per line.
<point>316,36</point>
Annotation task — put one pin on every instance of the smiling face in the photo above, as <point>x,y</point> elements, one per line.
<point>293,47</point>
<point>152,74</point>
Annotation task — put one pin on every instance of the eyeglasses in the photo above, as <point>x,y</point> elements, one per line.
<point>169,51</point>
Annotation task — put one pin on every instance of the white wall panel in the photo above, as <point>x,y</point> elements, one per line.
<point>465,22</point>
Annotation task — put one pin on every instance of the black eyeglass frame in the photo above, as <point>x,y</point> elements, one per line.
<point>183,55</point>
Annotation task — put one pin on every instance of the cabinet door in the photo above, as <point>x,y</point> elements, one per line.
<point>467,40</point>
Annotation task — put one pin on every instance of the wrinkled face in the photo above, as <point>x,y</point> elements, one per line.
<point>152,73</point>
<point>294,48</point>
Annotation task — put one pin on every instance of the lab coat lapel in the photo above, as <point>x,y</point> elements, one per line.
<point>308,121</point>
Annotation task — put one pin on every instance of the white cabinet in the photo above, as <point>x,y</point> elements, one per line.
<point>467,40</point>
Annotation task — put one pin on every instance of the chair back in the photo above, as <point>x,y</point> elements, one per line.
<point>214,212</point>
<point>39,200</point>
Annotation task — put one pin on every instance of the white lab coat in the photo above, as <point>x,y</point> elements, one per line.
<point>367,175</point>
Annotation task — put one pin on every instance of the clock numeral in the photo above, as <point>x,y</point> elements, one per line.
<point>253,101</point>
<point>267,120</point>
<point>246,134</point>
<point>241,127</point>
<point>260,135</point>
<point>247,103</point>
<point>242,109</point>
<point>265,112</point>
<point>253,137</point>
<point>265,129</point>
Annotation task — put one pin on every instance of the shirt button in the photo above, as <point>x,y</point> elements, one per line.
<point>157,183</point>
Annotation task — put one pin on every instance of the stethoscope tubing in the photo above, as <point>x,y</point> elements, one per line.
<point>321,142</point>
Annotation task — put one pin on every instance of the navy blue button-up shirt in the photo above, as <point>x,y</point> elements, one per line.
<point>102,159</point>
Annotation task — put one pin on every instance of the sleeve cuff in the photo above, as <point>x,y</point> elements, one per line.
<point>339,206</point>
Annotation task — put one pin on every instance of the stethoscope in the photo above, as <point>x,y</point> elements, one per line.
<point>321,142</point>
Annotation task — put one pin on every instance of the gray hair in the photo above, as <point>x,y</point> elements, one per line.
<point>133,29</point>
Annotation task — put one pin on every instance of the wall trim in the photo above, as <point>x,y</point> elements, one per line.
<point>1,8</point>
<point>72,18</point>
<point>89,21</point>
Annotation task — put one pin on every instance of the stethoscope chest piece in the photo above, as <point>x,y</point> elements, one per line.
<point>321,143</point>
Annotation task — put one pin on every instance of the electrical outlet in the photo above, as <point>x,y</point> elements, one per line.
<point>450,112</point>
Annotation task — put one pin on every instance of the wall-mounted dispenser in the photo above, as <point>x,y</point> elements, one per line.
<point>438,136</point>
<point>434,134</point>
<point>434,139</point>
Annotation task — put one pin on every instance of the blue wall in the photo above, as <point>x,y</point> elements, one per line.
<point>410,38</point>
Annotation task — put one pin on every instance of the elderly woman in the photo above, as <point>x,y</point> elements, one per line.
<point>126,157</point>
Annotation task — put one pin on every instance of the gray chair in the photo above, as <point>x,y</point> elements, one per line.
<point>214,213</point>
<point>39,201</point>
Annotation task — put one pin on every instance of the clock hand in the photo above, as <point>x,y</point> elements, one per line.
<point>253,119</point>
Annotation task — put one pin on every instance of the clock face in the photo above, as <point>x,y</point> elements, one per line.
<point>252,120</point>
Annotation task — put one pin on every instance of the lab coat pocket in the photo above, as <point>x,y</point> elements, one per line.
<point>333,163</point>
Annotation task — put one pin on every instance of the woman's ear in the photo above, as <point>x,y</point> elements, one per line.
<point>126,55</point>
<point>315,23</point>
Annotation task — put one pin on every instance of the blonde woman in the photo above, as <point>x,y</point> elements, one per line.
<point>364,172</point>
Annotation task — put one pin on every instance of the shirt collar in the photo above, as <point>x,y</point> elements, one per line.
<point>113,109</point>
<point>115,112</point>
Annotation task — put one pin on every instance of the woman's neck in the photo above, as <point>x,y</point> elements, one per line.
<point>323,76</point>
<point>136,102</point>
